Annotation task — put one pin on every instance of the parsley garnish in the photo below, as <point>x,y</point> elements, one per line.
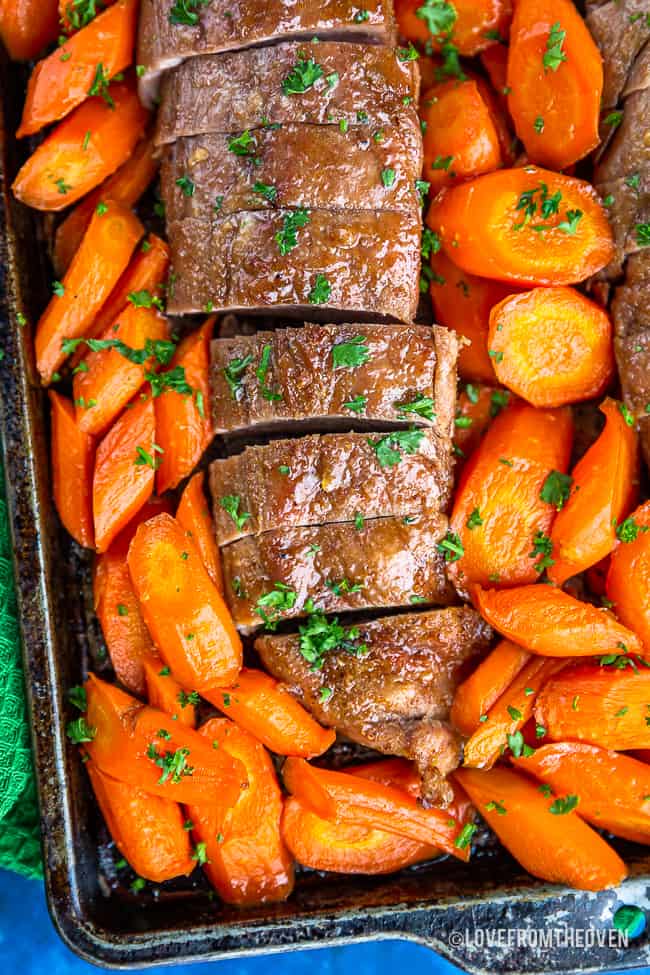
<point>556,489</point>
<point>451,547</point>
<point>201,854</point>
<point>79,731</point>
<point>465,836</point>
<point>302,76</point>
<point>349,355</point>
<point>613,119</point>
<point>570,224</point>
<point>320,636</point>
<point>173,764</point>
<point>261,372</point>
<point>560,807</point>
<point>554,55</point>
<point>356,405</point>
<point>287,238</point>
<point>451,67</point>
<point>78,13</point>
<point>234,372</point>
<point>628,530</point>
<point>184,12</point>
<point>387,177</point>
<point>77,697</point>
<point>343,586</point>
<point>359,521</point>
<point>144,299</point>
<point>431,243</point>
<point>388,449</point>
<point>321,291</point>
<point>643,234</point>
<point>542,546</point>
<point>145,459</point>
<point>185,185</point>
<point>420,405</point>
<point>279,600</point>
<point>538,125</point>
<point>265,190</point>
<point>409,53</point>
<point>439,16</point>
<point>100,86</point>
<point>242,145</point>
<point>474,519</point>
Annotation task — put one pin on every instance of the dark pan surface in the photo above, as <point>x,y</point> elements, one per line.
<point>440,905</point>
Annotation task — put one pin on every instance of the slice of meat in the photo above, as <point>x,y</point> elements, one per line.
<point>254,261</point>
<point>226,25</point>
<point>631,317</point>
<point>314,166</point>
<point>376,564</point>
<point>389,685</point>
<point>361,86</point>
<point>404,365</point>
<point>330,478</point>
<point>621,29</point>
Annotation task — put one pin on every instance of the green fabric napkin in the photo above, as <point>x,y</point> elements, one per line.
<point>19,818</point>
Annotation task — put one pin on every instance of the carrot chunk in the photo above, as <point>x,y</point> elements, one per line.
<point>477,406</point>
<point>468,25</point>
<point>184,611</point>
<point>605,485</point>
<point>555,77</point>
<point>27,26</point>
<point>75,14</point>
<point>82,150</point>
<point>73,457</point>
<point>495,62</point>
<point>527,225</point>
<point>545,835</point>
<point>476,695</point>
<point>124,471</point>
<point>628,579</point>
<point>164,692</point>
<point>194,516</point>
<point>103,255</point>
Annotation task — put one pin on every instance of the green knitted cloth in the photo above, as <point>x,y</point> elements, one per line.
<point>19,819</point>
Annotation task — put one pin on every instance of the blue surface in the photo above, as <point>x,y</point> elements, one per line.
<point>29,945</point>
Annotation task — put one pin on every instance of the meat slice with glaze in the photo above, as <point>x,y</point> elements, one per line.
<point>318,479</point>
<point>166,38</point>
<point>387,683</point>
<point>378,564</point>
<point>631,317</point>
<point>335,374</point>
<point>262,260</point>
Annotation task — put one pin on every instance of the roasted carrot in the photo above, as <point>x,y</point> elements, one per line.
<point>80,66</point>
<point>463,302</point>
<point>495,62</point>
<point>460,139</point>
<point>184,421</point>
<point>604,704</point>
<point>245,857</point>
<point>104,253</point>
<point>527,225</point>
<point>75,14</point>
<point>27,26</point>
<point>613,789</point>
<point>146,748</point>
<point>127,638</point>
<point>498,109</point>
<point>108,378</point>
<point>263,706</point>
<point>551,346</point>
<point>194,516</point>
<point>164,692</point>
<point>83,150</point>
<point>551,623</point>
<point>184,611</point>
<point>124,471</point>
<point>500,727</point>
<point>605,486</point>
<point>476,695</point>
<point>499,513</point>
<point>125,186</point>
<point>147,830</point>
<point>73,457</point>
<point>543,834</point>
<point>628,579</point>
<point>477,406</point>
<point>342,797</point>
<point>470,25</point>
<point>555,81</point>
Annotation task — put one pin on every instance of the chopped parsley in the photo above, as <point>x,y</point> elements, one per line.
<point>409,53</point>
<point>100,85</point>
<point>271,605</point>
<point>464,838</point>
<point>560,807</point>
<point>184,12</point>
<point>78,13</point>
<point>451,547</point>
<point>542,547</point>
<point>387,177</point>
<point>145,459</point>
<point>261,372</point>
<point>556,489</point>
<point>538,125</point>
<point>287,238</point>
<point>613,119</point>
<point>474,520</point>
<point>185,185</point>
<point>420,405</point>
<point>266,191</point>
<point>320,636</point>
<point>173,764</point>
<point>234,373</point>
<point>350,355</point>
<point>431,243</point>
<point>554,55</point>
<point>628,530</point>
<point>77,697</point>
<point>302,76</point>
<point>242,145</point>
<point>570,224</point>
<point>321,291</point>
<point>230,504</point>
<point>200,853</point>
<point>359,521</point>
<point>356,405</point>
<point>79,731</point>
<point>451,66</point>
<point>439,16</point>
<point>389,449</point>
<point>343,586</point>
<point>643,234</point>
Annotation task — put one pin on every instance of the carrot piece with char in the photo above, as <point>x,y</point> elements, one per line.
<point>69,162</point>
<point>470,25</point>
<point>628,579</point>
<point>27,26</point>
<point>102,257</point>
<point>184,611</point>
<point>164,692</point>
<point>193,514</point>
<point>545,835</point>
<point>147,830</point>
<point>73,457</point>
<point>476,695</point>
<point>605,485</point>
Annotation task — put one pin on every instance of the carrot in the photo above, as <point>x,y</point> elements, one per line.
<point>552,346</point>
<point>183,422</point>
<point>463,302</point>
<point>460,139</point>
<point>73,456</point>
<point>613,789</point>
<point>495,62</point>
<point>106,379</point>
<point>604,705</point>
<point>605,485</point>
<point>104,253</point>
<point>147,830</point>
<point>124,471</point>
<point>477,406</point>
<point>543,834</point>
<point>92,56</point>
<point>499,513</point>
<point>555,77</point>
<point>144,747</point>
<point>628,579</point>
<point>75,14</point>
<point>125,186</point>
<point>497,106</point>
<point>27,26</point>
<point>184,611</point>
<point>194,516</point>
<point>127,638</point>
<point>470,25</point>
<point>245,857</point>
<point>164,692</point>
<point>527,225</point>
<point>265,707</point>
<point>82,150</point>
<point>476,695</point>
<point>551,623</point>
<point>501,725</point>
<point>346,798</point>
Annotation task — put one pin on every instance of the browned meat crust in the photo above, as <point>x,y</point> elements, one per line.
<point>621,29</point>
<point>631,315</point>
